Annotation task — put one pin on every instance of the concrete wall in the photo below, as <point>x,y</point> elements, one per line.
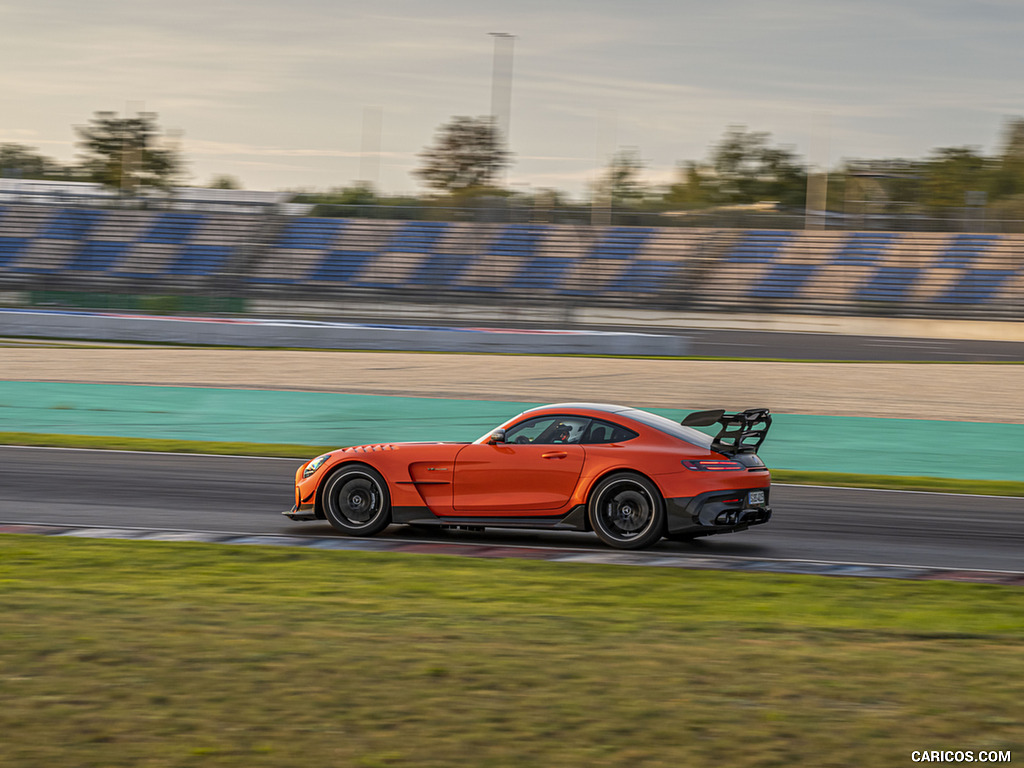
<point>327,335</point>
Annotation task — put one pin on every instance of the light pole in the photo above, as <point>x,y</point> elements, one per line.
<point>369,154</point>
<point>501,84</point>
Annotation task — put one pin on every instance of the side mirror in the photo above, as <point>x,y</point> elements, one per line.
<point>497,436</point>
<point>702,418</point>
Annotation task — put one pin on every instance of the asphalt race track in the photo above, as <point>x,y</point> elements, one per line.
<point>245,495</point>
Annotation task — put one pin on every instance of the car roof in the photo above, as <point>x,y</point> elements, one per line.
<point>601,407</point>
<point>646,418</point>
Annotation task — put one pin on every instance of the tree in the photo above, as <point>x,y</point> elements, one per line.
<point>747,170</point>
<point>1008,175</point>
<point>695,188</point>
<point>467,154</point>
<point>950,174</point>
<point>20,162</point>
<point>224,181</point>
<point>621,181</point>
<point>124,152</point>
<point>743,169</point>
<point>892,185</point>
<point>360,193</point>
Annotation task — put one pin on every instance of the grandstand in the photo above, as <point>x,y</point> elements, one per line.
<point>51,253</point>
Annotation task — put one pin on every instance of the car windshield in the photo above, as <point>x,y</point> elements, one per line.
<point>669,427</point>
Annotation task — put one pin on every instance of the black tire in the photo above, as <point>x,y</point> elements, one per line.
<point>626,511</point>
<point>355,501</point>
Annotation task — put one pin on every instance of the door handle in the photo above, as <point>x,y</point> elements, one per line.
<point>554,455</point>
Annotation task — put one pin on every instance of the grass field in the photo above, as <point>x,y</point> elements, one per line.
<point>117,653</point>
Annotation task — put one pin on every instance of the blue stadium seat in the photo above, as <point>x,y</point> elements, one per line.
<point>543,273</point>
<point>759,246</point>
<point>783,281</point>
<point>199,260</point>
<point>646,276</point>
<point>172,228</point>
<point>11,248</point>
<point>339,266</point>
<point>310,234</point>
<point>889,284</point>
<point>976,286</point>
<point>417,237</point>
<point>71,224</point>
<point>621,243</point>
<point>273,280</point>
<point>965,249</point>
<point>98,255</point>
<point>441,269</point>
<point>863,248</point>
<point>518,240</point>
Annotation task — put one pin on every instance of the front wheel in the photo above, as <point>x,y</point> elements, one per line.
<point>626,511</point>
<point>356,501</point>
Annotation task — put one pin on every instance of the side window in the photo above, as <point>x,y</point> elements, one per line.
<point>606,432</point>
<point>545,430</point>
<point>529,430</point>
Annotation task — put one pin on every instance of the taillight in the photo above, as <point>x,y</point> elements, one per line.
<point>712,465</point>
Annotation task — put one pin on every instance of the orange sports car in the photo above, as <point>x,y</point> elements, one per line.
<point>630,476</point>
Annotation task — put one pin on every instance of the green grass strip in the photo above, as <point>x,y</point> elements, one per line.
<point>285,450</point>
<point>900,483</point>
<point>123,654</point>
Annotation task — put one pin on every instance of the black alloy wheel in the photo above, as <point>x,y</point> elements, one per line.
<point>626,511</point>
<point>356,501</point>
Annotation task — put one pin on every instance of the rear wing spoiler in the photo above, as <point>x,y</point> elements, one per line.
<point>740,433</point>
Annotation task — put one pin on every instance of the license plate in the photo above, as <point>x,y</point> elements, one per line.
<point>756,498</point>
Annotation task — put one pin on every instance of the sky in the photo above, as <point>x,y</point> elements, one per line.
<point>319,94</point>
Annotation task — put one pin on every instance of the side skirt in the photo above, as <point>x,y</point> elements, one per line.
<point>574,520</point>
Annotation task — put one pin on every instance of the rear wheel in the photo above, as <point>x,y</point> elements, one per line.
<point>356,501</point>
<point>626,511</point>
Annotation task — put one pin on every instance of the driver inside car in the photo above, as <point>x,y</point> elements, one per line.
<point>562,433</point>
